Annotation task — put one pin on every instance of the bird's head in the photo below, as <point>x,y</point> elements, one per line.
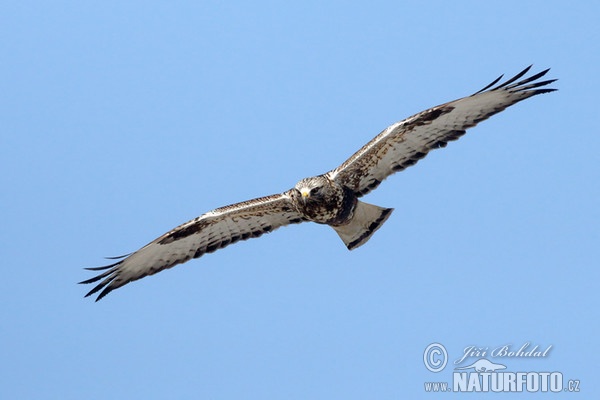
<point>312,189</point>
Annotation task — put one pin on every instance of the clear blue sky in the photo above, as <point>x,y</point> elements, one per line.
<point>121,120</point>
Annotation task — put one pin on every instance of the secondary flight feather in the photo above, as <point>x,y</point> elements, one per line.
<point>332,198</point>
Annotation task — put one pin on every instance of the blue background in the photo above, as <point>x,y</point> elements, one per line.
<point>121,120</point>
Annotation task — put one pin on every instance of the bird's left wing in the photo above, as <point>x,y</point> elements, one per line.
<point>205,234</point>
<point>404,143</point>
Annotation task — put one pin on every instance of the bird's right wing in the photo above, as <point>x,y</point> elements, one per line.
<point>404,143</point>
<point>205,234</point>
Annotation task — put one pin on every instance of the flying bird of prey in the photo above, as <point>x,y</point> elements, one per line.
<point>332,198</point>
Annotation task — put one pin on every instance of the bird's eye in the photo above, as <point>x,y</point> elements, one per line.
<point>314,191</point>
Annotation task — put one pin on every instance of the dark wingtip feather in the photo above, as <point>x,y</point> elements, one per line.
<point>107,275</point>
<point>118,257</point>
<point>88,281</point>
<point>489,86</point>
<point>524,85</point>
<point>534,85</point>
<point>532,78</point>
<point>100,268</point>
<point>96,278</point>
<point>508,82</point>
<point>94,290</point>
<point>514,78</point>
<point>98,287</point>
<point>542,91</point>
<point>103,293</point>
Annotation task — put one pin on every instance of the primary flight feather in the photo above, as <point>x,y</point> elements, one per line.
<point>331,198</point>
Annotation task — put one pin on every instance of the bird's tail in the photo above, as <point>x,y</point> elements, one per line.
<point>366,219</point>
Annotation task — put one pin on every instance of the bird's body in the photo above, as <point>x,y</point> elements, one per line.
<point>332,198</point>
<point>325,201</point>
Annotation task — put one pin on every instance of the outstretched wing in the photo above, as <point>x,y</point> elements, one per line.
<point>205,234</point>
<point>406,142</point>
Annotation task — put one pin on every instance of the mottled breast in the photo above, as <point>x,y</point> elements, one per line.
<point>324,201</point>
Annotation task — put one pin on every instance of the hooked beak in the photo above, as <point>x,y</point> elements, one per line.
<point>305,192</point>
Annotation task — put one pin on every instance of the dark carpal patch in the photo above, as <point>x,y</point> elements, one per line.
<point>427,117</point>
<point>181,233</point>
